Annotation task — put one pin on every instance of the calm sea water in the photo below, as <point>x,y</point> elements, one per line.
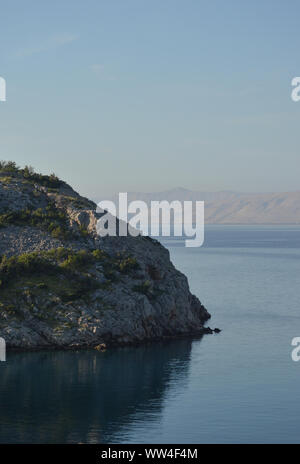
<point>240,386</point>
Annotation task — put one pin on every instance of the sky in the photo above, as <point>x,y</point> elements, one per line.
<point>136,95</point>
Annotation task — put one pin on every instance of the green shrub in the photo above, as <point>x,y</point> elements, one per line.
<point>50,219</point>
<point>28,173</point>
<point>125,264</point>
<point>78,260</point>
<point>8,166</point>
<point>62,262</point>
<point>144,288</point>
<point>58,254</point>
<point>51,182</point>
<point>98,254</point>
<point>27,263</point>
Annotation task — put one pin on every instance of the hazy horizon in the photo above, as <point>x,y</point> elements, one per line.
<point>180,188</point>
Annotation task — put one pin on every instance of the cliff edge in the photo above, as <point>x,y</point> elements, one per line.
<point>63,286</point>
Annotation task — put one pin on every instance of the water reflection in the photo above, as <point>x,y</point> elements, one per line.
<point>86,396</point>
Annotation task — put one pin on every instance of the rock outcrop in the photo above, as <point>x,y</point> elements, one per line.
<point>63,286</point>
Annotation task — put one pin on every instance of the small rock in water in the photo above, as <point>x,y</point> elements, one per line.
<point>208,330</point>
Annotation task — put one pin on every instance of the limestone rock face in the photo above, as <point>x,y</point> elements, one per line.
<point>85,219</point>
<point>137,294</point>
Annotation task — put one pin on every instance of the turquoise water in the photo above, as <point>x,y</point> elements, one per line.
<point>239,386</point>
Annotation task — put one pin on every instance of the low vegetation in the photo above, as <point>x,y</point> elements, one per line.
<point>61,271</point>
<point>144,288</point>
<point>58,261</point>
<point>125,264</point>
<point>65,262</point>
<point>11,168</point>
<point>49,219</point>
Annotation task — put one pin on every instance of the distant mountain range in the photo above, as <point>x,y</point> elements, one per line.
<point>230,207</point>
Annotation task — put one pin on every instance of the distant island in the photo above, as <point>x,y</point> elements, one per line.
<point>63,286</point>
<point>234,207</point>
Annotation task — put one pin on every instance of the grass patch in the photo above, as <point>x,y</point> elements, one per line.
<point>60,261</point>
<point>49,219</point>
<point>125,264</point>
<point>64,262</point>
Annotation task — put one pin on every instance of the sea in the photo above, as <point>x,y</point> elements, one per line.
<point>239,386</point>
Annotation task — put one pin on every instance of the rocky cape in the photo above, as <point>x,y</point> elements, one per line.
<point>62,286</point>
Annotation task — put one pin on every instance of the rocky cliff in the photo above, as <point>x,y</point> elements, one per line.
<point>61,285</point>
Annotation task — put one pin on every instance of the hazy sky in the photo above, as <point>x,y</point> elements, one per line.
<point>150,95</point>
